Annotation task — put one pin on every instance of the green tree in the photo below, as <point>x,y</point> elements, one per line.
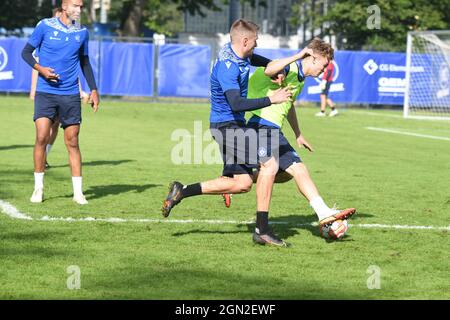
<point>23,13</point>
<point>163,16</point>
<point>347,20</point>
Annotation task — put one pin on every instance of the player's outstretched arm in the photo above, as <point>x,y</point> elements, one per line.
<point>259,61</point>
<point>293,122</point>
<point>239,104</point>
<point>275,66</point>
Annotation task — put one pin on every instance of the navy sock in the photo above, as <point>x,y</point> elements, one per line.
<point>191,190</point>
<point>262,221</point>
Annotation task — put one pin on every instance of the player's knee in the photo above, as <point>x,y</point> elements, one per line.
<point>244,185</point>
<point>71,142</point>
<point>299,169</point>
<point>302,167</point>
<point>41,139</point>
<point>269,168</point>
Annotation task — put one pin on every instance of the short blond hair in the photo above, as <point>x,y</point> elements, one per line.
<point>322,48</point>
<point>242,26</point>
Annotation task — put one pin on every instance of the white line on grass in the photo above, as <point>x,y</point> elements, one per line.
<point>380,114</point>
<point>408,133</point>
<point>12,212</point>
<point>399,116</point>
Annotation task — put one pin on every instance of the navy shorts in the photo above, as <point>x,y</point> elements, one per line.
<point>273,143</point>
<point>236,144</point>
<point>327,88</point>
<point>53,106</point>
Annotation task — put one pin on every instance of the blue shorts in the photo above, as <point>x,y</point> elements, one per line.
<point>273,143</point>
<point>236,152</point>
<point>65,107</point>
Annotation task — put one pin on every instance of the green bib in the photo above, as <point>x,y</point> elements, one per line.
<point>260,85</point>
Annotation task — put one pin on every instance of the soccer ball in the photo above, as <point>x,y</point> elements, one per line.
<point>335,230</point>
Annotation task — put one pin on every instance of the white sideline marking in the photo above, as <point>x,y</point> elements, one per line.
<point>12,212</point>
<point>400,116</point>
<point>379,114</point>
<point>408,133</point>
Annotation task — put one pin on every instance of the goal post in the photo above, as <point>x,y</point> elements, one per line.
<point>427,75</point>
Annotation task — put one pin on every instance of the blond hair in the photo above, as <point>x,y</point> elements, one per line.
<point>322,48</point>
<point>242,27</point>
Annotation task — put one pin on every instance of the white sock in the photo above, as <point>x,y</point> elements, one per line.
<point>321,209</point>
<point>38,180</point>
<point>48,148</point>
<point>77,185</point>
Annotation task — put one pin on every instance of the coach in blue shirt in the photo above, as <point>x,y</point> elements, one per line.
<point>63,49</point>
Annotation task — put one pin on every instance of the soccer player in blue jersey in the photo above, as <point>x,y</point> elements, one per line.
<point>229,86</point>
<point>63,49</point>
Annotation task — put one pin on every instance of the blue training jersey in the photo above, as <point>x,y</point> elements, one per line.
<point>229,72</point>
<point>60,48</point>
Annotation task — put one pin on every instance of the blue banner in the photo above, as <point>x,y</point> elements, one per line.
<point>359,77</point>
<point>126,69</point>
<point>15,74</point>
<point>184,70</point>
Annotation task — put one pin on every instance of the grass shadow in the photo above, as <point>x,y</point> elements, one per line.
<point>284,227</point>
<point>97,192</point>
<point>30,235</point>
<point>198,231</point>
<point>97,163</point>
<point>16,146</point>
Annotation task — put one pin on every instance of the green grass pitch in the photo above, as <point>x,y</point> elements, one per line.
<point>392,179</point>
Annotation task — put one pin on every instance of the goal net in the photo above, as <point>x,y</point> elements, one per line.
<point>427,87</point>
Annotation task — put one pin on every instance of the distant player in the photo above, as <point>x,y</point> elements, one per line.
<point>291,72</point>
<point>63,49</point>
<point>325,84</point>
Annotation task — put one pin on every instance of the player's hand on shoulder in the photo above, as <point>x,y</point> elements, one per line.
<point>278,78</point>
<point>94,100</point>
